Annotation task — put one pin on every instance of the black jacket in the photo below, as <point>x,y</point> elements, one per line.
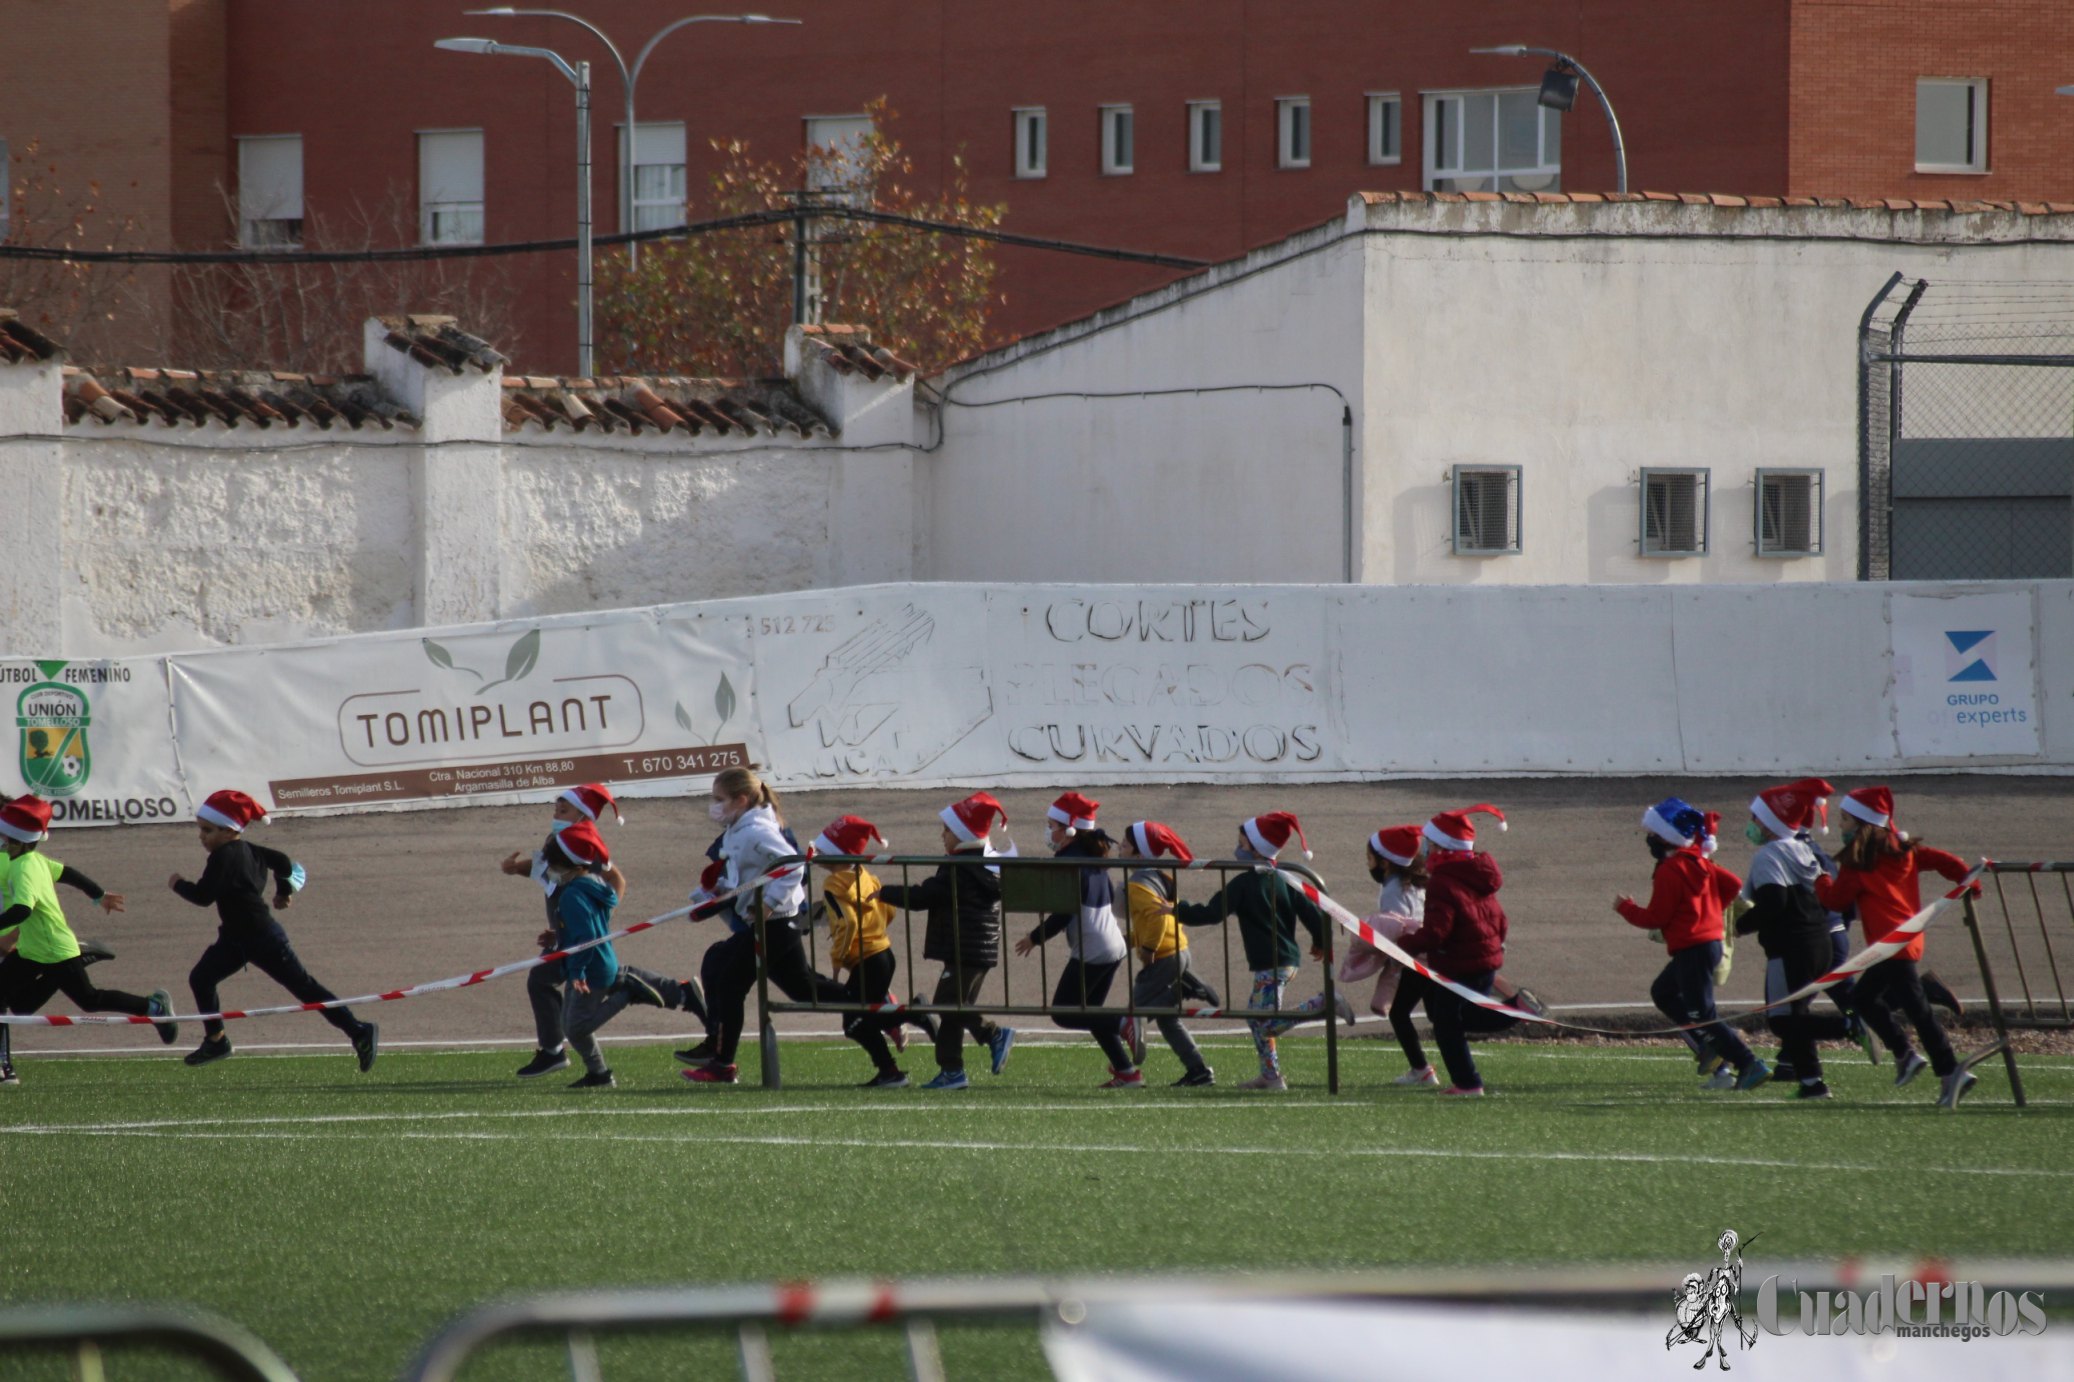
<point>234,883</point>
<point>966,933</point>
<point>1782,915</point>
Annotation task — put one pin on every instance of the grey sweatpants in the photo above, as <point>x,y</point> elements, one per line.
<point>583,1014</point>
<point>544,991</point>
<point>1158,986</point>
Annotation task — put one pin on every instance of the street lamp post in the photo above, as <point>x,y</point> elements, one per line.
<point>629,77</point>
<point>580,75</point>
<point>1559,92</point>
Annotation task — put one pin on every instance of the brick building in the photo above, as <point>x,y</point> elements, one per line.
<point>1200,130</point>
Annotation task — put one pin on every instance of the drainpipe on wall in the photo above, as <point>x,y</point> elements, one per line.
<point>1346,450</point>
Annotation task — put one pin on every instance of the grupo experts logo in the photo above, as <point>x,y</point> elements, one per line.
<point>1969,655</point>
<point>53,719</point>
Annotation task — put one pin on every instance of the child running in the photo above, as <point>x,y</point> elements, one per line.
<point>545,983</point>
<point>1688,893</point>
<point>1400,907</point>
<point>963,902</point>
<point>39,955</point>
<point>1789,920</point>
<point>857,941</point>
<point>574,861</point>
<point>1093,939</point>
<point>1269,910</point>
<point>234,883</point>
<point>1878,872</point>
<point>1165,975</point>
<point>1462,935</point>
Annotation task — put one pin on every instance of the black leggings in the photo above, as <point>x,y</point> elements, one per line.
<point>1085,985</point>
<point>25,986</point>
<point>729,974</point>
<point>1804,958</point>
<point>1451,1026</point>
<point>1895,984</point>
<point>272,956</point>
<point>1411,987</point>
<point>870,982</point>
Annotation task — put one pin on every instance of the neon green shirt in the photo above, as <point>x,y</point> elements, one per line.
<point>31,881</point>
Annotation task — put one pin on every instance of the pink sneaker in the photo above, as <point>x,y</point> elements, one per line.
<point>1132,1079</point>
<point>715,1073</point>
<point>1455,1089</point>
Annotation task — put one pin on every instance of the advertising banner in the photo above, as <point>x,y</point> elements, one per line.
<point>1965,683</point>
<point>93,739</point>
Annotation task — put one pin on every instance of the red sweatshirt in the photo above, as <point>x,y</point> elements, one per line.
<point>1886,894</point>
<point>1685,900</point>
<point>1464,930</point>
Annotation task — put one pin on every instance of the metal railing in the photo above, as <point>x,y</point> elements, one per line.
<point>86,1331</point>
<point>2028,937</point>
<point>1037,887</point>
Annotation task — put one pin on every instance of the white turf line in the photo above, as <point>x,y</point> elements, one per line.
<point>1672,1159</point>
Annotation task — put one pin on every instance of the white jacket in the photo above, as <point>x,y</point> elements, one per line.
<point>752,845</point>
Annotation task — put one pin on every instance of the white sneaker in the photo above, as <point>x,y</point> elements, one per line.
<point>1724,1077</point>
<point>1344,1008</point>
<point>1274,1083</point>
<point>1425,1077</point>
<point>1908,1067</point>
<point>1954,1086</point>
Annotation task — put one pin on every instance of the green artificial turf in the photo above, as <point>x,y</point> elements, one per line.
<point>344,1217</point>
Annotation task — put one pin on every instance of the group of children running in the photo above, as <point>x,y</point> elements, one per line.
<point>1438,901</point>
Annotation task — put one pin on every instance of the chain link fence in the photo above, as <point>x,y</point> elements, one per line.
<point>1966,431</point>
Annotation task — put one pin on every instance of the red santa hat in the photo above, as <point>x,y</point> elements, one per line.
<point>1150,839</point>
<point>1873,805</point>
<point>1270,833</point>
<point>1789,809</point>
<point>851,835</point>
<point>1454,829</point>
<point>1074,811</point>
<point>593,799</point>
<point>231,810</point>
<point>1397,843</point>
<point>974,818</point>
<point>582,845</point>
<point>26,820</point>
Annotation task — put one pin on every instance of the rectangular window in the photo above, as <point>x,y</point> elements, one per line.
<point>1674,513</point>
<point>1492,141</point>
<point>1030,139</point>
<point>1116,140</point>
<point>839,156</point>
<point>1951,125</point>
<point>658,191</point>
<point>1789,513</point>
<point>1385,127</point>
<point>450,196</point>
<point>1487,510</point>
<point>1293,132</point>
<point>1205,136</point>
<point>270,191</point>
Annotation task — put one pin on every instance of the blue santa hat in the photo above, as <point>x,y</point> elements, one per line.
<point>1681,823</point>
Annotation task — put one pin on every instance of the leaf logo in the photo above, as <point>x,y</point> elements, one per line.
<point>724,705</point>
<point>519,662</point>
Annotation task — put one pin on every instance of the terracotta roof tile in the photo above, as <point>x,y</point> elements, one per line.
<point>641,405</point>
<point>848,350</point>
<point>235,398</point>
<point>21,343</point>
<point>437,343</point>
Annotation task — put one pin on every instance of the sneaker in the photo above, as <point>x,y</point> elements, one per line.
<point>1954,1086</point>
<point>1783,1072</point>
<point>208,1051</point>
<point>713,1072</point>
<point>886,1079</point>
<point>7,1075</point>
<point>1425,1077</point>
<point>692,996</point>
<point>1002,1042</point>
<point>366,1044</point>
<point>640,993</point>
<point>1528,1001</point>
<point>1123,1079</point>
<point>1461,1093</point>
<point>949,1079</point>
<point>1274,1083</point>
<point>544,1063</point>
<point>1724,1077</point>
<point>1812,1089</point>
<point>160,1004</point>
<point>699,1054</point>
<point>1909,1065</point>
<point>93,952</point>
<point>1935,991</point>
<point>602,1080</point>
<point>1862,1034</point>
<point>1711,1064</point>
<point>1134,1038</point>
<point>1342,1007</point>
<point>1755,1074</point>
<point>1197,1078</point>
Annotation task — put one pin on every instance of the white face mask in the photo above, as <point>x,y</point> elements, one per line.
<point>719,812</point>
<point>559,826</point>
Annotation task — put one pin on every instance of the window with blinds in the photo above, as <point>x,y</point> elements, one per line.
<point>1674,513</point>
<point>450,187</point>
<point>1789,513</point>
<point>1487,510</point>
<point>270,191</point>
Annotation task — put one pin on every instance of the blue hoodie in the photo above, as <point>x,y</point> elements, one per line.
<point>585,904</point>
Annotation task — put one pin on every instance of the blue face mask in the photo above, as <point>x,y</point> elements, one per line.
<point>559,826</point>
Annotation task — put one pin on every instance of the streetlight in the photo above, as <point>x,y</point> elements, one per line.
<point>1559,92</point>
<point>580,75</point>
<point>628,77</point>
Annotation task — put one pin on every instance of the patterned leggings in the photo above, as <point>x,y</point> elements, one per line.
<point>1267,993</point>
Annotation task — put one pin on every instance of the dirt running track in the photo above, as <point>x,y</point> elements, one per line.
<point>397,898</point>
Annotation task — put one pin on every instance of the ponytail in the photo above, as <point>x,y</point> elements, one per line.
<point>738,782</point>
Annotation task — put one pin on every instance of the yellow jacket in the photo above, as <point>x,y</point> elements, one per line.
<point>856,929</point>
<point>1154,930</point>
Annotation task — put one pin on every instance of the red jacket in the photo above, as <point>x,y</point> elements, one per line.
<point>1685,900</point>
<point>1886,894</point>
<point>1464,929</point>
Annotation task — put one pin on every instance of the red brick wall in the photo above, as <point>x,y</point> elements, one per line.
<point>201,156</point>
<point>1855,66</point>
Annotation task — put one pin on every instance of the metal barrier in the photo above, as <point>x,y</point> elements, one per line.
<point>85,1330</point>
<point>2036,922</point>
<point>917,1307</point>
<point>1043,886</point>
